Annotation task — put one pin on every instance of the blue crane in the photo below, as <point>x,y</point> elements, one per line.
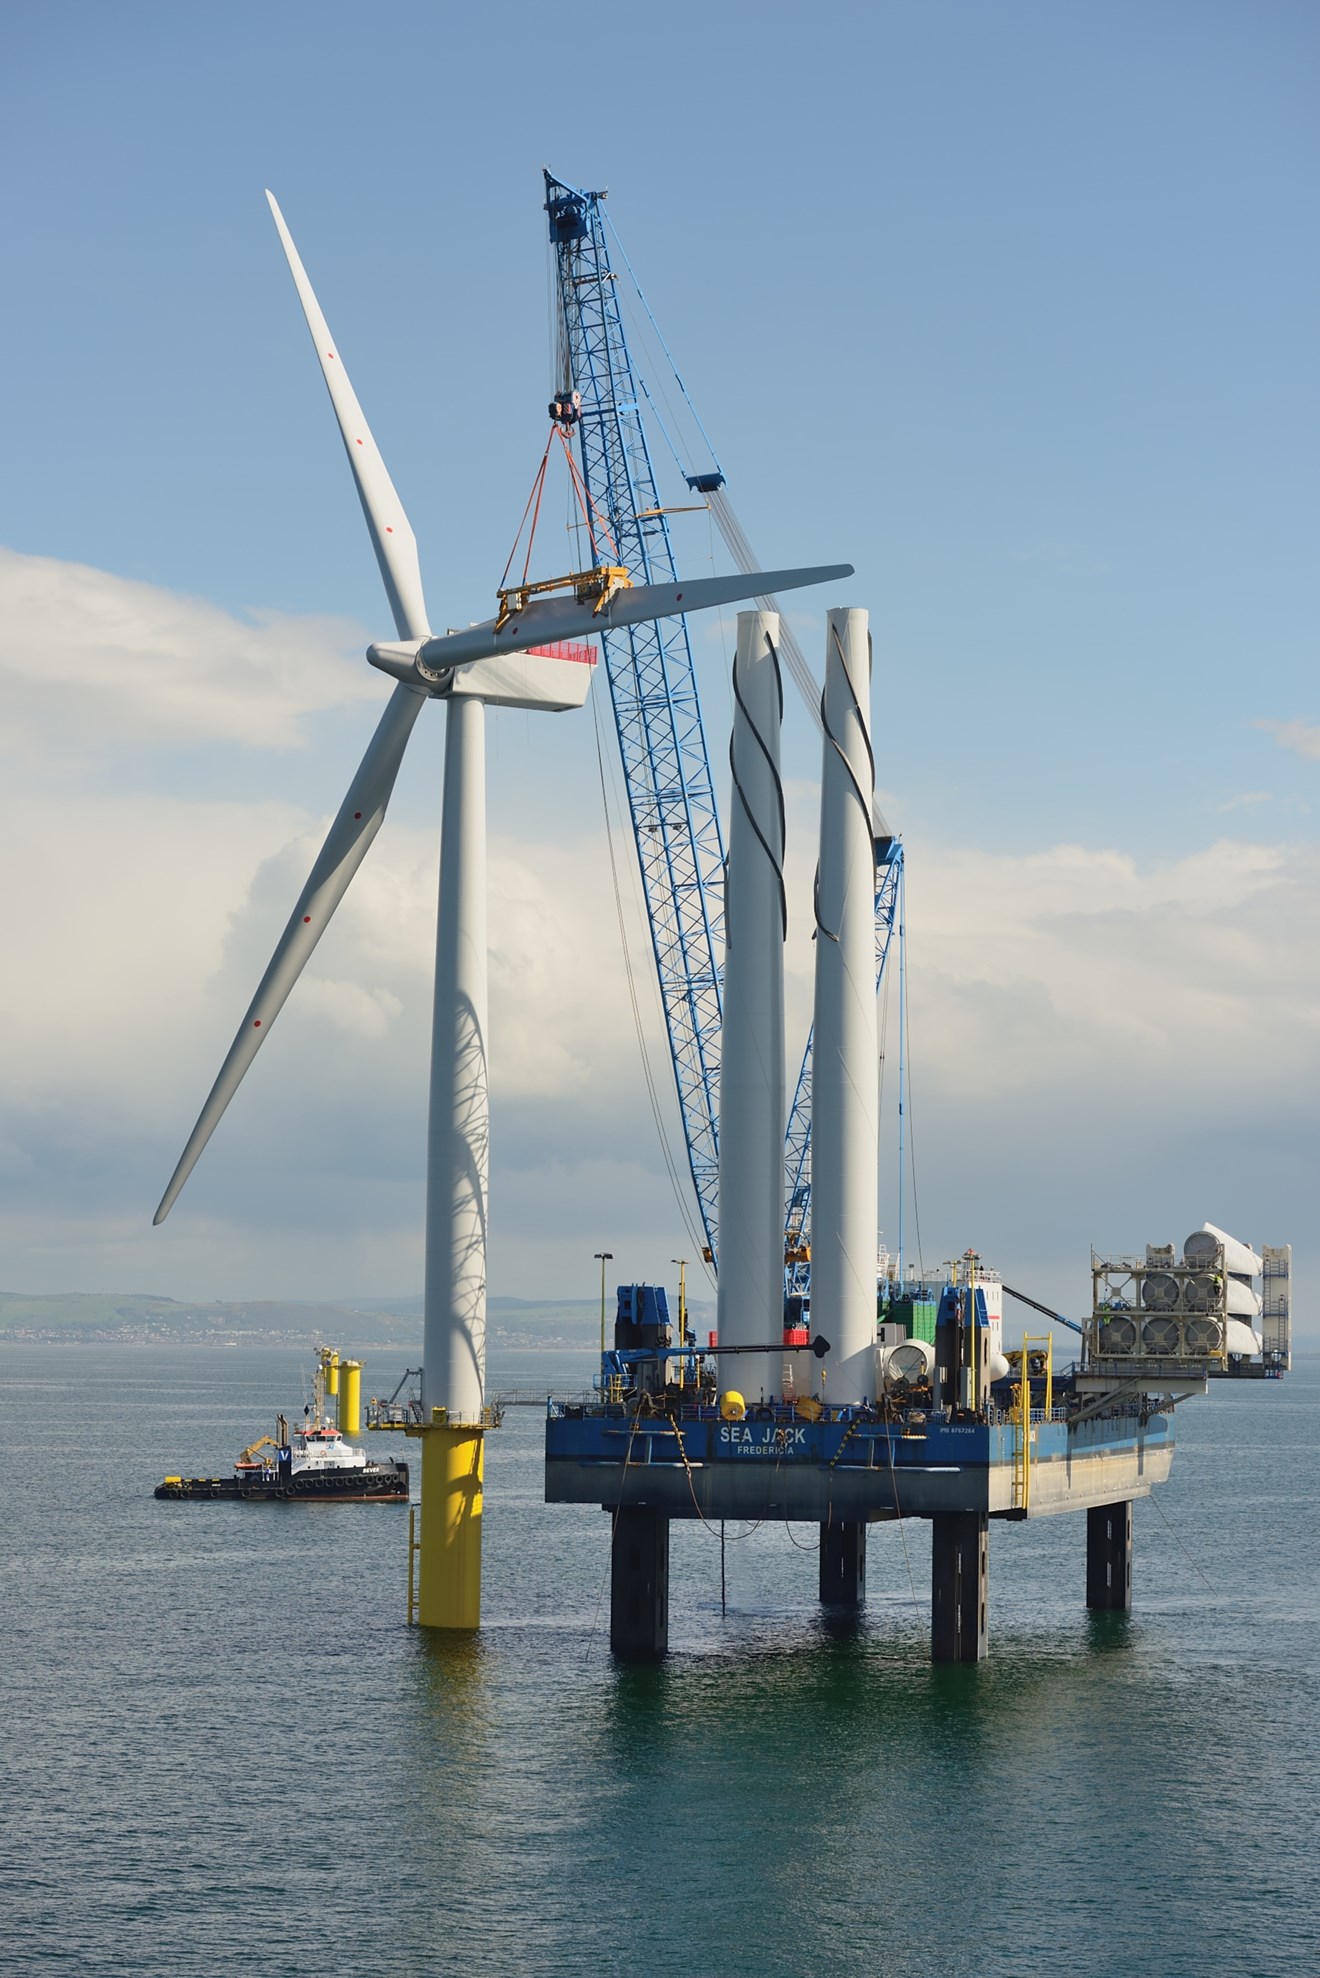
<point>657,713</point>
<point>653,688</point>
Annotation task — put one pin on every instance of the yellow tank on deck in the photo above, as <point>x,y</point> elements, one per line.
<point>350,1397</point>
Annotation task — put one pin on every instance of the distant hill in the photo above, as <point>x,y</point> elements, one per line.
<point>138,1315</point>
<point>74,1317</point>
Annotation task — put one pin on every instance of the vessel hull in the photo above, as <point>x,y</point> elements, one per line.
<point>868,1470</point>
<point>372,1486</point>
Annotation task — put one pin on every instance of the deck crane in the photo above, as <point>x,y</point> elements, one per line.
<point>653,689</point>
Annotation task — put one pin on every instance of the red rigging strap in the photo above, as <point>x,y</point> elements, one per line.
<point>584,498</point>
<point>536,512</point>
<point>538,481</point>
<point>585,504</point>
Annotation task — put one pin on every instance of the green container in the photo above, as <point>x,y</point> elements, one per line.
<point>917,1314</point>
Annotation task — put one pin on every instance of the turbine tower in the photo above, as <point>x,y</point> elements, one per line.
<point>498,663</point>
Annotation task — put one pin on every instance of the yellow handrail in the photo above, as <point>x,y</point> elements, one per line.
<point>1022,1399</point>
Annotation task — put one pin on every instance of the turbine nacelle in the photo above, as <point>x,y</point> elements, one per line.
<point>537,680</point>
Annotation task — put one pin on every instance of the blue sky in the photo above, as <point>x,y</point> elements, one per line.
<point>1014,307</point>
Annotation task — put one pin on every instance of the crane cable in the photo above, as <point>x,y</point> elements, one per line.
<point>695,1237</point>
<point>533,508</point>
<point>641,297</point>
<point>1178,1542</point>
<point>898,1515</point>
<point>906,1017</point>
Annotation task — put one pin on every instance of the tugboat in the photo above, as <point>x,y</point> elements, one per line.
<point>315,1462</point>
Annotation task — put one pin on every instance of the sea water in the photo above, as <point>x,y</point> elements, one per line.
<point>223,1751</point>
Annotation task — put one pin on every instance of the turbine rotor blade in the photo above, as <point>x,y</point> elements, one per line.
<point>360,817</point>
<point>547,620</point>
<point>391,531</point>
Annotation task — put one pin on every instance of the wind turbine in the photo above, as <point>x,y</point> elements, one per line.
<point>493,664</point>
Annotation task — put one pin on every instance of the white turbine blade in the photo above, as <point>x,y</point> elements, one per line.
<point>360,817</point>
<point>391,532</point>
<point>549,620</point>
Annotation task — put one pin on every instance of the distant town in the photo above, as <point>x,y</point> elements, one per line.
<point>143,1319</point>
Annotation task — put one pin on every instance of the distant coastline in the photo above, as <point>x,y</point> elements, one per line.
<point>144,1319</point>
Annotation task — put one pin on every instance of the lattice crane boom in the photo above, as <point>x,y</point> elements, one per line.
<point>666,764</point>
<point>652,680</point>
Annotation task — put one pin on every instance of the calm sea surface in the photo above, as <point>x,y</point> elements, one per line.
<point>224,1752</point>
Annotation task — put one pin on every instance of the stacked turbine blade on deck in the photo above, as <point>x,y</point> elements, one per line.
<point>844,1087</point>
<point>752,1082</point>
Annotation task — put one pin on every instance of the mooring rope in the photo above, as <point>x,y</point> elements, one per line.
<point>1178,1542</point>
<point>907,1561</point>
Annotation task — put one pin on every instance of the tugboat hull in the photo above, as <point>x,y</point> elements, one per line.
<point>380,1483</point>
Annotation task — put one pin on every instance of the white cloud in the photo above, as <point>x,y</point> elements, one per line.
<point>1092,1037</point>
<point>142,924</point>
<point>89,658</point>
<point>115,907</point>
<point>1136,1006</point>
<point>1073,970</point>
<point>1302,739</point>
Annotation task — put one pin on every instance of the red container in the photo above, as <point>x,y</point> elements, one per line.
<point>797,1336</point>
<point>712,1340</point>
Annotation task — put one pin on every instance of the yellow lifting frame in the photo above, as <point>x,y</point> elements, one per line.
<point>602,584</point>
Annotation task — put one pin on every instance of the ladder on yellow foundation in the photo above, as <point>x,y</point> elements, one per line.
<point>414,1547</point>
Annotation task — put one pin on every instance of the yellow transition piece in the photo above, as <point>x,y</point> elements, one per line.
<point>449,1580</point>
<point>350,1397</point>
